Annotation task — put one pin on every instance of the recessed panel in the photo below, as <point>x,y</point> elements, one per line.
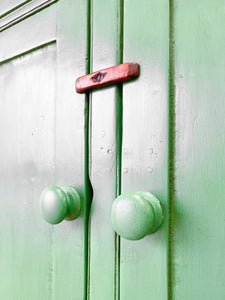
<point>27,165</point>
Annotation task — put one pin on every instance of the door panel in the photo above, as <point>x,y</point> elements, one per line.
<point>27,150</point>
<point>199,228</point>
<point>42,129</point>
<point>145,143</point>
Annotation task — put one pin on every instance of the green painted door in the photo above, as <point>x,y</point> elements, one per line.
<point>162,133</point>
<point>129,146</point>
<point>42,143</point>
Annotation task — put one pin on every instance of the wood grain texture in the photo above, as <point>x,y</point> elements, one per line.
<point>108,76</point>
<point>145,143</point>
<point>199,228</point>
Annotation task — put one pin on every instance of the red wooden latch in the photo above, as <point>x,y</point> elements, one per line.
<point>109,76</point>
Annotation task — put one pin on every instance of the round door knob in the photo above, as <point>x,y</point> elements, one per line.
<point>135,215</point>
<point>57,204</point>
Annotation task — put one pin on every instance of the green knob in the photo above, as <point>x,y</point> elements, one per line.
<point>57,204</point>
<point>135,215</point>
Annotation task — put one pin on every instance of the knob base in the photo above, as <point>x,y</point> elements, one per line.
<point>73,202</point>
<point>157,210</point>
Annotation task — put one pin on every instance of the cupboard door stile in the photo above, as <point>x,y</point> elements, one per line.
<point>145,143</point>
<point>70,259</point>
<point>103,248</point>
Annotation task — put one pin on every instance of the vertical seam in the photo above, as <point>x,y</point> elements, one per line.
<point>119,136</point>
<point>171,150</point>
<point>87,184</point>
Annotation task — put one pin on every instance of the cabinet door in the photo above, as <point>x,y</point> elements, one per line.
<point>163,133</point>
<point>129,146</point>
<point>43,49</point>
<point>143,263</point>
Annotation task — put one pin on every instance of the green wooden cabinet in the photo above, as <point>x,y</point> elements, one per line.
<point>161,133</point>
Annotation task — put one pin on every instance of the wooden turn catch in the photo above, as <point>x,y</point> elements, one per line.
<point>109,76</point>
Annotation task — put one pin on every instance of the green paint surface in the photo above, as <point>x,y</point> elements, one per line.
<point>42,131</point>
<point>26,167</point>
<point>103,281</point>
<point>162,133</point>
<point>143,263</point>
<point>199,207</point>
